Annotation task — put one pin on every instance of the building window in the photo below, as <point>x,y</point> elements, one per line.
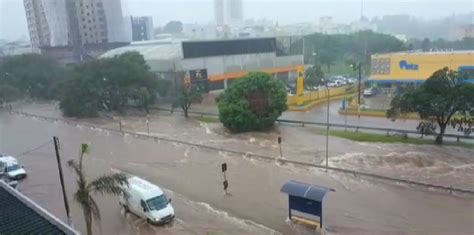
<point>88,14</point>
<point>99,4</point>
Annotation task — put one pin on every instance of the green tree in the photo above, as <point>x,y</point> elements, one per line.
<point>33,75</point>
<point>8,94</point>
<point>106,184</point>
<point>173,27</point>
<point>314,76</point>
<point>327,57</point>
<point>187,95</point>
<point>439,98</point>
<point>356,47</point>
<point>109,84</point>
<point>426,45</point>
<point>252,103</point>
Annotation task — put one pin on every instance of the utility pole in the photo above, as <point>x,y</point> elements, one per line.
<point>61,178</point>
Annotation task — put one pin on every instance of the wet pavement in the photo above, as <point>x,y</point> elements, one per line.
<point>193,179</point>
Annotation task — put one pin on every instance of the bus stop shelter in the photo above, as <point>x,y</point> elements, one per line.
<point>305,198</point>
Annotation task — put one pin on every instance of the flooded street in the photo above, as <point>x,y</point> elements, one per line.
<point>192,177</point>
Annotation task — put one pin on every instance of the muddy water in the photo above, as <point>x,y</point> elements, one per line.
<point>42,184</point>
<point>256,206</point>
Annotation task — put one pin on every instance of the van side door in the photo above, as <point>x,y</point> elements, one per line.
<point>3,166</point>
<point>143,209</point>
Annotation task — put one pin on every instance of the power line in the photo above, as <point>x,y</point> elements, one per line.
<point>33,149</point>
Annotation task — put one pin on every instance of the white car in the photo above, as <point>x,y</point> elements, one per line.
<point>147,201</point>
<point>369,92</point>
<point>9,166</point>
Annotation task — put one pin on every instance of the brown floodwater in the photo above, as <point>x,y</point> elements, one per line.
<point>192,177</point>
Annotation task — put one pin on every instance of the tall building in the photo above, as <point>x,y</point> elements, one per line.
<point>142,28</point>
<point>56,23</point>
<point>219,12</point>
<point>47,23</point>
<point>228,12</point>
<point>234,11</point>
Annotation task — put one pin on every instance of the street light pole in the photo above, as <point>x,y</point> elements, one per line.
<point>360,78</point>
<point>327,130</point>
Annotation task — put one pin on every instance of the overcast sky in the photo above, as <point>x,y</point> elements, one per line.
<point>13,22</point>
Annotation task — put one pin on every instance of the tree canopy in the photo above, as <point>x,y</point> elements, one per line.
<point>359,45</point>
<point>314,76</point>
<point>252,103</point>
<point>112,184</point>
<point>108,84</point>
<point>173,27</point>
<point>439,98</point>
<point>187,95</point>
<point>30,75</point>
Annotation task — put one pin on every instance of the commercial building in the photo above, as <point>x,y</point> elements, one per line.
<point>216,63</point>
<point>418,66</point>
<point>142,28</point>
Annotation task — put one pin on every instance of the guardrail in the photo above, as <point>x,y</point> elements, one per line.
<point>356,128</point>
<point>449,189</point>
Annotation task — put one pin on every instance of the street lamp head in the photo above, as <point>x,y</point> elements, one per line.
<point>314,53</point>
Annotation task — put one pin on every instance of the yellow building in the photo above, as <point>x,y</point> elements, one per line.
<point>417,66</point>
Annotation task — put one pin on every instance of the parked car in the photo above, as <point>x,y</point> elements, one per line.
<point>369,92</point>
<point>147,201</point>
<point>9,167</point>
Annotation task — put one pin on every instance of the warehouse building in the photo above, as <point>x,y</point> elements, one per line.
<point>218,62</point>
<point>416,67</point>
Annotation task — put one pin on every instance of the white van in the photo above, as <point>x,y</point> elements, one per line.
<point>9,166</point>
<point>147,201</point>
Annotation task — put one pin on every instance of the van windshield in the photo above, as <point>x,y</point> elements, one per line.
<point>13,168</point>
<point>157,203</point>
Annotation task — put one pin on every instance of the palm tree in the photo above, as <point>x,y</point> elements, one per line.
<point>106,184</point>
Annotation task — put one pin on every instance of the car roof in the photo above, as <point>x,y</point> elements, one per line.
<point>8,160</point>
<point>143,187</point>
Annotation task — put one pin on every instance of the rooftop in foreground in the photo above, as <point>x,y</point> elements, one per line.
<point>20,215</point>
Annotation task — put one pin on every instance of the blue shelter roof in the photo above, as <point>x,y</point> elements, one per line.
<point>308,191</point>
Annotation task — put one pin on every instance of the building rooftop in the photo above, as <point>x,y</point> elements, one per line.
<point>154,50</point>
<point>417,52</point>
<point>20,215</point>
